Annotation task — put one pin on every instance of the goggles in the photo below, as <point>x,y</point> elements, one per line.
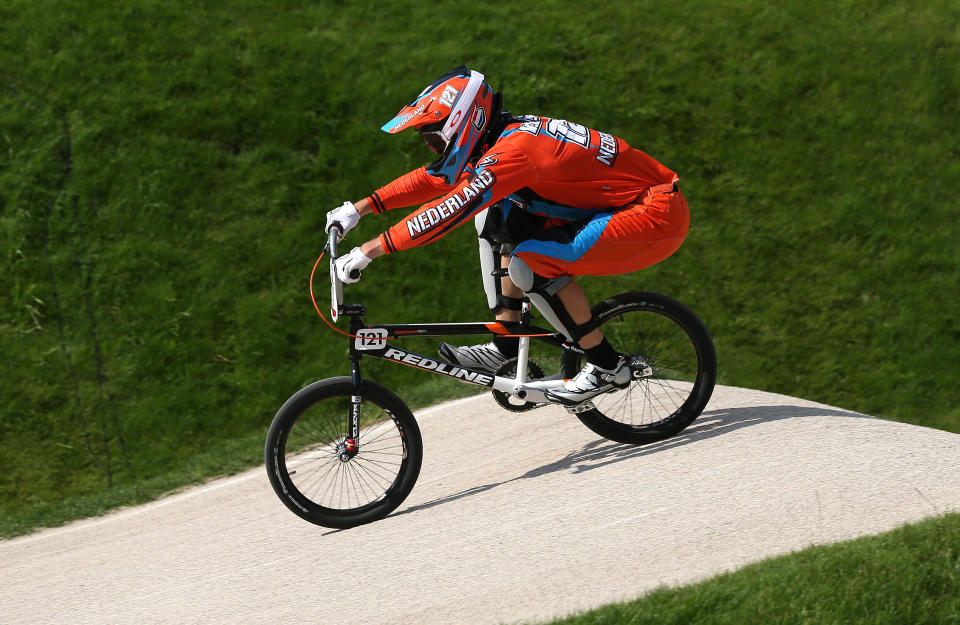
<point>432,135</point>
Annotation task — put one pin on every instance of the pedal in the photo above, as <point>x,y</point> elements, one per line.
<point>586,406</point>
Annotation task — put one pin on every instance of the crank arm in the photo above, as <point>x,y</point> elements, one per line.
<point>532,391</point>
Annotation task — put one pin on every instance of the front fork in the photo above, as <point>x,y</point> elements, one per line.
<point>350,446</point>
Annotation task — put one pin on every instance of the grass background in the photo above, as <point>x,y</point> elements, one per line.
<point>165,169</point>
<point>909,575</point>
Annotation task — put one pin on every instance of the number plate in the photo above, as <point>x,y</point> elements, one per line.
<point>370,339</point>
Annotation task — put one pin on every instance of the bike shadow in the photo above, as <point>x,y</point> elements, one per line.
<point>602,452</point>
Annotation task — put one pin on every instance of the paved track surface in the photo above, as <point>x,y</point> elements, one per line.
<point>516,517</point>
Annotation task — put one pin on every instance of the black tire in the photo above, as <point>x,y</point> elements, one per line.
<point>306,442</point>
<point>675,344</point>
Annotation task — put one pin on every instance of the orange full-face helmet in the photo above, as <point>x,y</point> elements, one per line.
<point>451,114</point>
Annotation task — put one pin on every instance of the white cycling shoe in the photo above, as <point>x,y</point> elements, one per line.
<point>486,358</point>
<point>590,382</point>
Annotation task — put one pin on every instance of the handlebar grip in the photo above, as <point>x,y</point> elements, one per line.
<point>333,235</point>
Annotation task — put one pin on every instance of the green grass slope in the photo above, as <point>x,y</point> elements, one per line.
<point>165,168</point>
<point>910,575</point>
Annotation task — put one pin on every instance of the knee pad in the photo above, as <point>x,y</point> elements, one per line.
<point>490,265</point>
<point>543,295</point>
<point>488,262</point>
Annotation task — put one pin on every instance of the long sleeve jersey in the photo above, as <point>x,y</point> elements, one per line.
<point>546,166</point>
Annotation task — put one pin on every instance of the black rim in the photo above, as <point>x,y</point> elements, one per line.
<point>666,362</point>
<point>317,464</point>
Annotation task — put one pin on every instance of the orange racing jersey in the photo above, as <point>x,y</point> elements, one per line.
<point>547,166</point>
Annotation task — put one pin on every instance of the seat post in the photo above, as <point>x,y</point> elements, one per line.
<point>523,351</point>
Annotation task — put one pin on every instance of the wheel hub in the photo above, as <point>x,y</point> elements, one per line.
<point>640,368</point>
<point>347,450</point>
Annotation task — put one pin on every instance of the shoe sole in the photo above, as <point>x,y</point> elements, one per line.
<point>576,402</point>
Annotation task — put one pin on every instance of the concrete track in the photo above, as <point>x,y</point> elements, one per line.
<point>516,517</point>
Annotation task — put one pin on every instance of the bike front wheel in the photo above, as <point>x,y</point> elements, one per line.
<point>330,479</point>
<point>673,362</point>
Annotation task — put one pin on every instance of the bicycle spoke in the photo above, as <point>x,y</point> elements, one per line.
<point>651,336</point>
<point>343,484</point>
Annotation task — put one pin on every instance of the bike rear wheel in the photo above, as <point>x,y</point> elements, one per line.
<point>323,476</point>
<point>674,365</point>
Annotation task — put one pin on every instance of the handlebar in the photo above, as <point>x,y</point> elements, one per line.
<point>332,245</point>
<point>336,285</point>
<point>332,240</point>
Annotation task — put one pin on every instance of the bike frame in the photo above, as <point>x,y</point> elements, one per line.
<point>372,341</point>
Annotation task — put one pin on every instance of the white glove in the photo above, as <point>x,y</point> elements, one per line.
<point>354,261</point>
<point>346,215</point>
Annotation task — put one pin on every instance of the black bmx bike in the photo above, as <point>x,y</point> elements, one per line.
<point>345,451</point>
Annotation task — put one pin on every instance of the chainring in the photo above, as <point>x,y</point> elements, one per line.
<point>508,401</point>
